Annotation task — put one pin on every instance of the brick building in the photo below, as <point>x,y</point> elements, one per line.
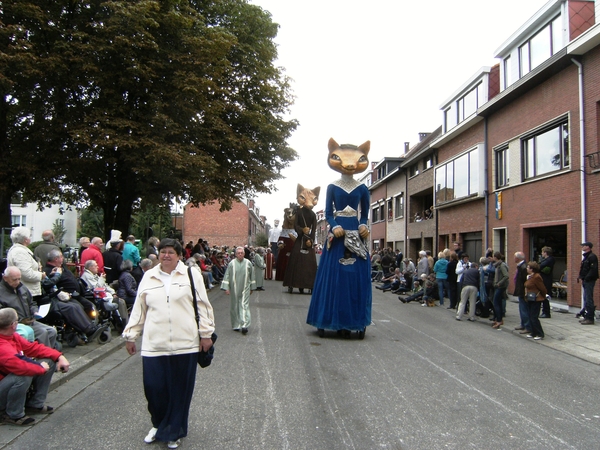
<point>516,165</point>
<point>510,171</point>
<point>238,226</point>
<point>381,173</point>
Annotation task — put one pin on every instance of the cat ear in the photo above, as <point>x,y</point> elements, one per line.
<point>365,147</point>
<point>316,191</point>
<point>332,145</point>
<point>299,189</point>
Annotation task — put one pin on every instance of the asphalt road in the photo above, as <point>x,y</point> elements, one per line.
<point>419,380</point>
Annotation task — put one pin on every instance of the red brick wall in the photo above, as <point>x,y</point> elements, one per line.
<point>218,228</point>
<point>378,230</point>
<point>591,88</point>
<point>547,201</point>
<point>468,216</point>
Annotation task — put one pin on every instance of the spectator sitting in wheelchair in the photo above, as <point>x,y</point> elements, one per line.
<point>94,280</point>
<point>70,310</point>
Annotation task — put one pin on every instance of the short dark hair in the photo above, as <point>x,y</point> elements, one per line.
<point>168,242</point>
<point>533,266</point>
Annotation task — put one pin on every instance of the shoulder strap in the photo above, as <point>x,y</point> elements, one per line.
<point>193,286</point>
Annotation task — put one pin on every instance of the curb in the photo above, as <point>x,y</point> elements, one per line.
<point>81,363</point>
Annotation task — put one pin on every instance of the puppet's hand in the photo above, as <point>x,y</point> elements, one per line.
<point>363,230</point>
<point>338,232</point>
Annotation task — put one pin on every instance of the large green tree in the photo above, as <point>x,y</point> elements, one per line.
<point>143,100</point>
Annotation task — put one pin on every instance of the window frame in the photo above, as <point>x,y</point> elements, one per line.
<point>471,185</point>
<point>553,44</point>
<point>562,126</point>
<point>18,220</point>
<point>502,161</point>
<point>399,206</point>
<point>375,213</point>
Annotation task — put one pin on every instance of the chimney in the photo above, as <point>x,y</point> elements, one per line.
<point>423,136</point>
<point>406,147</point>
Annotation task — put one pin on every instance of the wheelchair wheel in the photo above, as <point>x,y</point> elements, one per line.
<point>104,337</point>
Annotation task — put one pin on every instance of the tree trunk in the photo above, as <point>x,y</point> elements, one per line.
<point>5,211</point>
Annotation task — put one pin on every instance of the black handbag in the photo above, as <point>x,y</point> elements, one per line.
<point>531,296</point>
<point>204,358</point>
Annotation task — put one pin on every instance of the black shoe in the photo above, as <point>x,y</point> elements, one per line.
<point>401,299</point>
<point>450,307</point>
<point>244,330</point>
<point>587,322</point>
<point>95,332</point>
<point>545,316</point>
<point>578,315</point>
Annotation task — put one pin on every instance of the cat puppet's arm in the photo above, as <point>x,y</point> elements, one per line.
<point>365,200</point>
<point>336,229</point>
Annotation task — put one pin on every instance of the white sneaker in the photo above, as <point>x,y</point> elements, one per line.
<point>151,436</point>
<point>210,286</point>
<point>174,444</point>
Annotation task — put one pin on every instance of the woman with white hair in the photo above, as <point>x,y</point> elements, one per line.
<point>423,264</point>
<point>21,257</point>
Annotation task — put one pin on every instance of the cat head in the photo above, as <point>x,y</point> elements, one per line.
<point>290,212</point>
<point>348,159</point>
<point>307,198</point>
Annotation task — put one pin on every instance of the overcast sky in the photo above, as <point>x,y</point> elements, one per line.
<point>377,71</point>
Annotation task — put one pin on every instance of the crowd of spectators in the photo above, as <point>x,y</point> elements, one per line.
<point>468,285</point>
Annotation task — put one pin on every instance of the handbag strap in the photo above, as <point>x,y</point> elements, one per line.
<point>193,286</point>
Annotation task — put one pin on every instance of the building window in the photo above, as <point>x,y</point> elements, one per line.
<point>508,72</point>
<point>413,170</point>
<point>376,214</point>
<point>382,172</point>
<point>450,117</point>
<point>19,221</point>
<point>540,47</point>
<point>428,162</point>
<point>399,207</point>
<point>382,212</point>
<point>458,178</point>
<point>502,167</point>
<point>468,104</point>
<point>464,107</point>
<point>547,151</point>
<point>390,210</point>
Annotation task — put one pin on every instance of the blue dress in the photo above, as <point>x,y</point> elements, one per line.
<point>342,297</point>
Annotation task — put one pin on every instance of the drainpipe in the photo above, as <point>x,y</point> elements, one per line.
<point>406,251</point>
<point>485,185</point>
<point>581,155</point>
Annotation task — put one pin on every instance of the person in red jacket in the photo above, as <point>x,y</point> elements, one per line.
<point>94,251</point>
<point>18,370</point>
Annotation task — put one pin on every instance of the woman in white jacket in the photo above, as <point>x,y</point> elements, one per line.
<point>172,338</point>
<point>20,256</point>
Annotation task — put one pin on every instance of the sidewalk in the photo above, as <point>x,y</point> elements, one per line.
<point>563,332</point>
<point>83,357</point>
